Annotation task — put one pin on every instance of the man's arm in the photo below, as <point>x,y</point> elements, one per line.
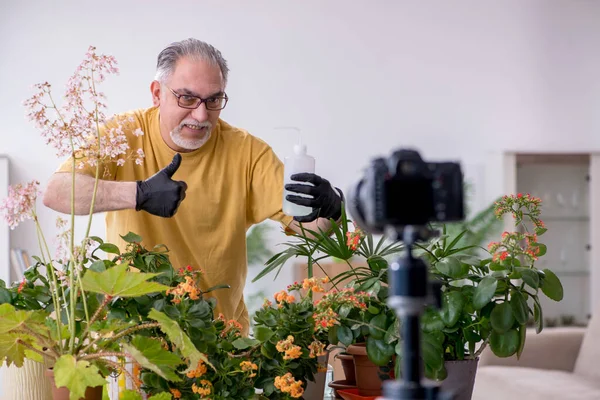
<point>111,195</point>
<point>158,195</point>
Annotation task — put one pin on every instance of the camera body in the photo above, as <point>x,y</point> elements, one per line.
<point>405,190</point>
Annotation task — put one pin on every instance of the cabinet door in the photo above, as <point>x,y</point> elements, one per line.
<point>564,189</point>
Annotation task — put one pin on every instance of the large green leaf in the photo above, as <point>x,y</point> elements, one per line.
<point>522,336</point>
<point>11,318</point>
<point>150,354</point>
<point>243,343</point>
<point>502,317</point>
<point>452,305</point>
<point>519,307</point>
<point>484,292</point>
<point>76,376</point>
<point>344,335</point>
<point>10,350</point>
<point>552,286</point>
<point>529,276</point>
<point>263,333</point>
<point>452,267</point>
<point>180,339</point>
<point>504,344</point>
<point>432,321</point>
<point>433,352</point>
<point>377,326</point>
<point>117,281</point>
<point>379,352</point>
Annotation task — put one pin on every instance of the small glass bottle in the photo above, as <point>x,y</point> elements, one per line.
<point>299,162</point>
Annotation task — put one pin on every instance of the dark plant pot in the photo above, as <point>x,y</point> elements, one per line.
<point>62,393</point>
<point>460,379</point>
<point>347,361</point>
<point>369,377</point>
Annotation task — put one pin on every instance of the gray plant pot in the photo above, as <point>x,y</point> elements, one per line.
<point>460,379</point>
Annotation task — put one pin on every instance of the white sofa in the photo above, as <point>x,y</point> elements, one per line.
<point>558,364</point>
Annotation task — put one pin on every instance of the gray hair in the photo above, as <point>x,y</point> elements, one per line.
<point>193,48</point>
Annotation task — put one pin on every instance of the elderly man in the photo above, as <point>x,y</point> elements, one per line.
<point>203,182</point>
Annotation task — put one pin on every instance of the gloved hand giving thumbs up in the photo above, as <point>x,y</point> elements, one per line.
<point>160,195</point>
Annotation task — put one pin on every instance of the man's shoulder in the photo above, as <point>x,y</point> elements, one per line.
<point>240,136</point>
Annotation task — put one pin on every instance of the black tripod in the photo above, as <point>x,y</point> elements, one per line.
<point>409,288</point>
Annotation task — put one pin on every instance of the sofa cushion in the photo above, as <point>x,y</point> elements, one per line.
<point>589,352</point>
<point>511,383</point>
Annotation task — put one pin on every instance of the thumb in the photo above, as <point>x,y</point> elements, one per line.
<point>174,166</point>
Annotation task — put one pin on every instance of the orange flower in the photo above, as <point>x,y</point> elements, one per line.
<point>176,393</point>
<point>204,389</point>
<point>199,371</point>
<point>248,366</point>
<point>287,384</point>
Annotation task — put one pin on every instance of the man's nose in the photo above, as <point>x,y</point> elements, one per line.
<point>200,114</point>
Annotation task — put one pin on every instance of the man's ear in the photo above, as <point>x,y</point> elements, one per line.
<point>155,90</point>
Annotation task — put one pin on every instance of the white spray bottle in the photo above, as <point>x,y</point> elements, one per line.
<point>297,163</point>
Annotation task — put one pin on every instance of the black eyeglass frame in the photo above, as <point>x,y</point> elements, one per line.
<point>178,96</point>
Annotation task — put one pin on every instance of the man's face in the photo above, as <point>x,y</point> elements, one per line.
<point>184,129</point>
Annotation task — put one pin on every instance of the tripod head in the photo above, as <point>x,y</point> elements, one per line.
<point>410,291</point>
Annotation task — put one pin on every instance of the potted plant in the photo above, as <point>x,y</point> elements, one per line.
<point>58,313</point>
<point>485,299</point>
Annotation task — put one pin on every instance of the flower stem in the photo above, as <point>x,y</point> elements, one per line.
<point>30,347</point>
<point>50,268</point>
<point>46,342</point>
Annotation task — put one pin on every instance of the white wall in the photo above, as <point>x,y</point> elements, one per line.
<point>462,80</point>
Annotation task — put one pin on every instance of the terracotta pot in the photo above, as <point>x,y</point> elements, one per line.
<point>62,393</point>
<point>347,361</point>
<point>369,377</point>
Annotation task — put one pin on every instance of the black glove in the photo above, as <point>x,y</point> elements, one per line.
<point>326,203</point>
<point>159,194</point>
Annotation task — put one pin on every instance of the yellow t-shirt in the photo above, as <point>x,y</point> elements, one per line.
<point>234,180</point>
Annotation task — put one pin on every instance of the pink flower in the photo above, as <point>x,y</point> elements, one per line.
<point>20,203</point>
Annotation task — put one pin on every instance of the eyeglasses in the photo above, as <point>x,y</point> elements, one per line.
<point>213,103</point>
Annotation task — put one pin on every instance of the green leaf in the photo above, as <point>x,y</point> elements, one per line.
<point>529,276</point>
<point>132,238</point>
<point>76,376</point>
<point>161,396</point>
<point>180,339</point>
<point>452,305</point>
<point>452,267</point>
<point>98,266</point>
<point>538,315</point>
<point>433,353</point>
<point>11,318</point>
<point>542,249</point>
<point>504,344</point>
<point>117,281</point>
<point>243,343</point>
<point>432,321</point>
<point>552,287</point>
<point>502,318</point>
<point>522,335</point>
<point>11,351</point>
<point>150,354</point>
<point>345,335</point>
<point>377,326</point>
<point>372,310</point>
<point>5,296</point>
<point>109,248</point>
<point>379,352</point>
<point>484,292</point>
<point>494,266</point>
<point>540,231</point>
<point>263,333</point>
<point>519,307</point>
<point>377,263</point>
<point>221,286</point>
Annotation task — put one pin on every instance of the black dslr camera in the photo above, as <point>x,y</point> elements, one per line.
<point>405,190</point>
<point>400,196</point>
